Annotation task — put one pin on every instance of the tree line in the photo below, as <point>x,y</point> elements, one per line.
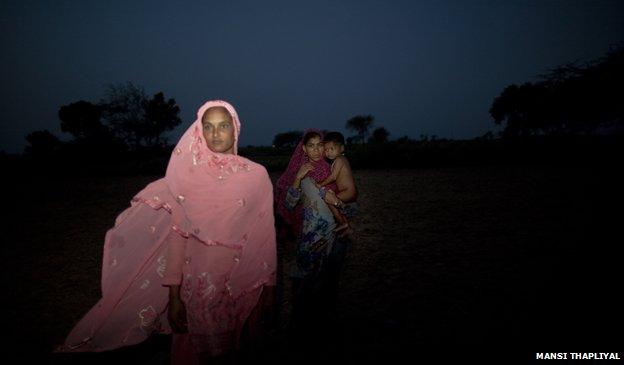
<point>572,101</point>
<point>360,124</point>
<point>125,120</point>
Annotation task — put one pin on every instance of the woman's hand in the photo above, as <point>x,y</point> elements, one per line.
<point>303,170</point>
<point>331,198</point>
<point>177,315</point>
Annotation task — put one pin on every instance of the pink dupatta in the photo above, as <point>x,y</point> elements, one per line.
<point>218,199</point>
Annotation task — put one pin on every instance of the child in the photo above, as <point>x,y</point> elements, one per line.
<point>341,174</point>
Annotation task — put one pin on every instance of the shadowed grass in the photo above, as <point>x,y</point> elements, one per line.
<point>509,259</point>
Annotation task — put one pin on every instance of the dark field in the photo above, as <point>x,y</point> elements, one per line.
<point>487,263</point>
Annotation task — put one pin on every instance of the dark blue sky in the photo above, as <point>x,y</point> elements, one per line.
<point>420,67</point>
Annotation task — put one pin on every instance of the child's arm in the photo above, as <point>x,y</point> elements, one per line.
<point>337,166</point>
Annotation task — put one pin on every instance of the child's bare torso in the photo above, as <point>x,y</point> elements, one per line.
<point>344,179</point>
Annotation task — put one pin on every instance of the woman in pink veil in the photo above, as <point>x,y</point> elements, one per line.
<point>194,253</point>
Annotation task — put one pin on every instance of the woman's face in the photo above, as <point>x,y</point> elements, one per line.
<point>314,148</point>
<point>218,130</point>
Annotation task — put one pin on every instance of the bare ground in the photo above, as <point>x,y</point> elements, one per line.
<point>453,263</point>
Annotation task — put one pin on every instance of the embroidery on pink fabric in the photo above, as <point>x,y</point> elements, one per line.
<point>155,203</point>
<point>148,317</point>
<point>162,266</point>
<point>205,287</point>
<point>180,231</point>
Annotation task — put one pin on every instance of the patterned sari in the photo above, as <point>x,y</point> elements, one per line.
<point>306,212</point>
<point>317,236</point>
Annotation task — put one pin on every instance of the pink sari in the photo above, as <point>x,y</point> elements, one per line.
<point>220,206</point>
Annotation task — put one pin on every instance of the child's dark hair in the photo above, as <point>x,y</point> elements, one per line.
<point>335,137</point>
<point>311,134</point>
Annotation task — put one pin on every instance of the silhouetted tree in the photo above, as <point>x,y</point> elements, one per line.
<point>361,125</point>
<point>42,143</point>
<point>351,140</point>
<point>487,136</point>
<point>137,120</point>
<point>380,135</point>
<point>522,107</point>
<point>91,137</point>
<point>124,112</point>
<point>571,99</point>
<point>160,115</point>
<point>287,140</point>
<point>81,119</point>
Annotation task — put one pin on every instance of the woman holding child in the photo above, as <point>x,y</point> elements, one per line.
<point>306,207</point>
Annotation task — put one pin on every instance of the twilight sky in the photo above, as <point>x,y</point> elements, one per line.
<point>420,67</point>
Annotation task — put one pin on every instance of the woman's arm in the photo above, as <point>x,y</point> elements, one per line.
<point>297,183</point>
<point>303,171</point>
<point>176,312</point>
<point>294,191</point>
<point>176,248</point>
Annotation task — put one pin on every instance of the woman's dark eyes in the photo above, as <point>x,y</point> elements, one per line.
<point>222,126</point>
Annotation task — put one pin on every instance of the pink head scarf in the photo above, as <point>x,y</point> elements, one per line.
<point>213,188</point>
<point>226,199</point>
<point>218,199</point>
<point>320,172</point>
